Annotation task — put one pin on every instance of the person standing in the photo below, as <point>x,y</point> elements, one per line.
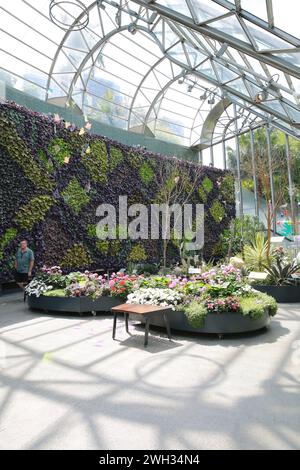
<point>24,263</point>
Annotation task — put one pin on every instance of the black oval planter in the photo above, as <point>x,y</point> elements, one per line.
<point>72,304</point>
<point>282,294</point>
<point>217,323</point>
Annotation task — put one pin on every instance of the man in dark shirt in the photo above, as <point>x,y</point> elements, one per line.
<point>24,263</point>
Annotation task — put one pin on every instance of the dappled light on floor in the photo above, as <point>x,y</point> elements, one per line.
<point>66,384</point>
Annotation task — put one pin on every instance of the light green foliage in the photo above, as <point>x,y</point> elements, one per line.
<point>196,313</point>
<point>116,157</point>
<point>75,196</point>
<point>92,231</point>
<point>76,257</point>
<point>96,162</point>
<point>137,254</point>
<point>227,188</point>
<point>146,173</point>
<point>45,161</point>
<point>207,184</point>
<point>202,195</point>
<point>217,211</point>
<point>135,160</point>
<point>256,305</point>
<point>55,293</point>
<point>59,150</point>
<point>256,253</point>
<point>19,152</point>
<point>103,246</point>
<point>34,211</point>
<point>8,236</point>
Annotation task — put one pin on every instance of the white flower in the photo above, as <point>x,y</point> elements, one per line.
<point>155,296</point>
<point>37,288</point>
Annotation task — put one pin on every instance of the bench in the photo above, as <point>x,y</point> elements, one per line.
<point>144,312</point>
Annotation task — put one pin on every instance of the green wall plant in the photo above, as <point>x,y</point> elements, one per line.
<point>60,150</point>
<point>18,150</point>
<point>95,160</point>
<point>8,236</point>
<point>207,184</point>
<point>33,212</point>
<point>116,157</point>
<point>76,257</point>
<point>202,194</point>
<point>227,183</point>
<point>137,254</point>
<point>217,211</point>
<point>75,196</point>
<point>146,173</point>
<point>47,163</point>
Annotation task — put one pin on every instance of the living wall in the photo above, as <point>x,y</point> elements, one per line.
<point>53,176</point>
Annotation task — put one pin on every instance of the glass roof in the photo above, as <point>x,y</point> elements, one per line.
<point>172,69</point>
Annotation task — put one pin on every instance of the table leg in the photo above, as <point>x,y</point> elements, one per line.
<point>166,319</point>
<point>126,322</point>
<point>147,324</point>
<point>115,325</point>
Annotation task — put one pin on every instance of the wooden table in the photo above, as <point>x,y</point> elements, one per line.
<point>144,311</point>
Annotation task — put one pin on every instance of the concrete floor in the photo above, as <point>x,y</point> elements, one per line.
<point>64,384</point>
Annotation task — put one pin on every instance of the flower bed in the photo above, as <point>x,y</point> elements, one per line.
<point>196,301</point>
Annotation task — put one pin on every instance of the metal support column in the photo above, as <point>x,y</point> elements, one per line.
<point>238,166</point>
<point>200,157</point>
<point>269,149</point>
<point>254,170</point>
<point>224,155</point>
<point>291,191</point>
<point>212,159</point>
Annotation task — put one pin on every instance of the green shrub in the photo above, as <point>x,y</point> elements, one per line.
<point>95,160</point>
<point>75,196</point>
<point>217,211</point>
<point>116,157</point>
<point>59,150</point>
<point>55,293</point>
<point>76,257</point>
<point>146,173</point>
<point>256,304</point>
<point>8,236</point>
<point>19,152</point>
<point>196,313</point>
<point>34,211</point>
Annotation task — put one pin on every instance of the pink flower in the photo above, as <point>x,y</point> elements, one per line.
<point>111,283</point>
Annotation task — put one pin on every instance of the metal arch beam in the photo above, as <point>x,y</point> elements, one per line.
<point>161,93</point>
<point>90,54</point>
<point>141,84</point>
<point>210,123</point>
<point>172,59</point>
<point>218,35</point>
<point>62,43</point>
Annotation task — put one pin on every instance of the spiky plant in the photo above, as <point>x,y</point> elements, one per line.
<point>280,274</point>
<point>256,253</point>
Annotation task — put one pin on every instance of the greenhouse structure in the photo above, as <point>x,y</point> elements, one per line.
<point>149,226</point>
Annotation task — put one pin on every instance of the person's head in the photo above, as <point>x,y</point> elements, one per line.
<point>23,244</point>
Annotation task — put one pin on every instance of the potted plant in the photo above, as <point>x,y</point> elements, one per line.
<point>281,282</point>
